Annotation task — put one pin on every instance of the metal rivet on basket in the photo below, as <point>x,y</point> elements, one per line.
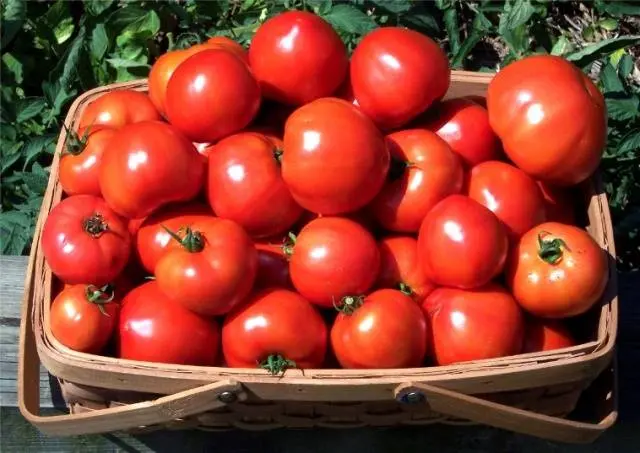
<point>227,397</point>
<point>412,398</point>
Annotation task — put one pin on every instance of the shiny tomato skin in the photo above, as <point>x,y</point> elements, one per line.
<point>464,125</point>
<point>335,160</point>
<point>78,323</point>
<point>396,74</point>
<point>546,335</point>
<point>559,203</point>
<point>119,108</point>
<point>387,331</point>
<point>313,54</point>
<point>557,142</point>
<point>213,280</point>
<point>333,257</point>
<point>273,264</point>
<point>152,240</point>
<point>79,166</point>
<point>400,267</point>
<point>148,165</point>
<point>210,95</point>
<point>228,44</point>
<point>429,172</point>
<point>153,328</point>
<point>567,286</point>
<point>461,243</point>
<point>274,321</point>
<point>482,323</point>
<point>245,185</point>
<point>509,193</point>
<point>85,241</point>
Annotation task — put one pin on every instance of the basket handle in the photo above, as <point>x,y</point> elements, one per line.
<point>459,405</point>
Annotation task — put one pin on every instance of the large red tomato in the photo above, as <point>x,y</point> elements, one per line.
<point>396,74</point>
<point>275,330</point>
<point>557,142</point>
<point>424,170</point>
<point>557,271</point>
<point>209,267</point>
<point>298,57</point>
<point>151,237</point>
<point>400,267</point>
<point>546,335</point>
<point>385,329</point>
<point>333,257</point>
<point>509,193</point>
<point>118,108</point>
<point>273,263</point>
<point>79,164</point>
<point>559,203</point>
<point>148,165</point>
<point>461,243</point>
<point>83,317</point>
<point>335,160</point>
<point>464,125</point>
<point>84,241</point>
<point>483,323</point>
<point>153,328</point>
<point>245,185</point>
<point>210,95</point>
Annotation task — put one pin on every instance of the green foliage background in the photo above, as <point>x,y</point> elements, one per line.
<point>53,51</point>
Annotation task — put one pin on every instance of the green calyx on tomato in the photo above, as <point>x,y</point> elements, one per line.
<point>192,241</point>
<point>397,168</point>
<point>348,304</point>
<point>76,143</point>
<point>550,250</point>
<point>406,289</point>
<point>95,225</point>
<point>277,154</point>
<point>276,364</point>
<point>288,244</point>
<point>100,296</point>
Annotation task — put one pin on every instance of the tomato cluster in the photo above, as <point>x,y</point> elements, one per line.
<point>290,206</point>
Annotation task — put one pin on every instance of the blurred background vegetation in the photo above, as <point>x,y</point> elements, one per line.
<point>54,50</point>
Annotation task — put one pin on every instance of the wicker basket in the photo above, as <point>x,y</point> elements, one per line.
<point>528,393</point>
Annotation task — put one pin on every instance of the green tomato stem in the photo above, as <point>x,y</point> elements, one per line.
<point>276,364</point>
<point>550,250</point>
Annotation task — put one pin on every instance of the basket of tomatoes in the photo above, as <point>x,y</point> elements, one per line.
<point>292,237</point>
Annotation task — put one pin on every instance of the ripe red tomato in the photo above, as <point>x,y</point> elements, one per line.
<point>228,44</point>
<point>385,329</point>
<point>84,241</point>
<point>83,317</point>
<point>509,193</point>
<point>333,257</point>
<point>461,243</point>
<point>275,330</point>
<point>273,263</point>
<point>400,267</point>
<point>210,95</point>
<point>335,160</point>
<point>79,165</point>
<point>148,165</point>
<point>151,239</point>
<point>313,54</point>
<point>424,171</point>
<point>546,335</point>
<point>153,328</point>
<point>245,185</point>
<point>464,125</point>
<point>483,323</point>
<point>396,74</point>
<point>118,108</point>
<point>209,267</point>
<point>557,142</point>
<point>557,271</point>
<point>559,203</point>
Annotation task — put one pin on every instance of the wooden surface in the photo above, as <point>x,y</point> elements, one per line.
<point>18,435</point>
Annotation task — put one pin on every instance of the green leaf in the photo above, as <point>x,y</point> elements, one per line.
<point>618,8</point>
<point>97,7</point>
<point>609,79</point>
<point>625,66</point>
<point>450,17</point>
<point>349,19</point>
<point>562,46</point>
<point>608,24</point>
<point>66,69</point>
<point>422,21</point>
<point>320,7</point>
<point>480,26</point>
<point>99,42</point>
<point>393,6</point>
<point>37,146</point>
<point>28,108</point>
<point>512,23</point>
<point>14,66</point>
<point>589,54</point>
<point>14,14</point>
<point>125,63</point>
<point>630,143</point>
<point>10,156</point>
<point>622,108</point>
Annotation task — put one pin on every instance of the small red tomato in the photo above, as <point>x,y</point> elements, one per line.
<point>119,108</point>
<point>333,257</point>
<point>313,54</point>
<point>273,264</point>
<point>210,95</point>
<point>483,323</point>
<point>275,330</point>
<point>559,203</point>
<point>245,185</point>
<point>153,328</point>
<point>400,267</point>
<point>210,268</point>
<point>84,241</point>
<point>83,317</point>
<point>461,243</point>
<point>385,329</point>
<point>509,193</point>
<point>424,170</point>
<point>464,125</point>
<point>546,335</point>
<point>396,74</point>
